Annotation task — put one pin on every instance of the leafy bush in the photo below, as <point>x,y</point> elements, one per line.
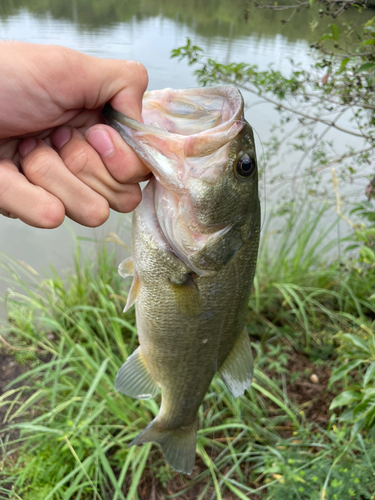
<point>357,352</point>
<point>353,478</point>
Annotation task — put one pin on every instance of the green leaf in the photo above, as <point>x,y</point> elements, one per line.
<point>367,253</point>
<point>343,370</point>
<point>343,64</point>
<point>91,390</point>
<point>345,398</point>
<point>311,2</point>
<point>346,416</point>
<point>363,409</point>
<point>370,418</point>
<point>335,31</point>
<point>370,41</point>
<point>368,393</point>
<point>37,428</point>
<point>356,428</point>
<point>327,36</point>
<point>366,67</point>
<point>370,374</point>
<point>361,344</point>
<point>136,476</point>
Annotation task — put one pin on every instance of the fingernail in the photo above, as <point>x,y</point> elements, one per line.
<point>27,146</point>
<point>61,136</point>
<point>101,141</point>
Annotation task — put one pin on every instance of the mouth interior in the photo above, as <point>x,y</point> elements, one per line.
<point>185,114</point>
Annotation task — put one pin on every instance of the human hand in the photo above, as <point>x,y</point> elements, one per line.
<point>57,157</point>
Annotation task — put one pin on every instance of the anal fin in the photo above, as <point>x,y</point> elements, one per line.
<point>238,367</point>
<point>134,378</point>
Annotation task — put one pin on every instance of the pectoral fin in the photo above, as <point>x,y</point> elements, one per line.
<point>126,268</point>
<point>133,292</point>
<point>237,369</point>
<point>186,295</point>
<point>134,378</point>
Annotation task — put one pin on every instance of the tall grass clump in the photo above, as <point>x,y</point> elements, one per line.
<point>74,429</point>
<point>309,284</point>
<point>66,431</point>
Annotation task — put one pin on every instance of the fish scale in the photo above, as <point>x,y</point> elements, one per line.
<point>195,240</point>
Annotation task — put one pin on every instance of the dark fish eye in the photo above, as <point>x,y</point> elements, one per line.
<point>245,166</point>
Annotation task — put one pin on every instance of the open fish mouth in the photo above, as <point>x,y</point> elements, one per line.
<point>178,126</point>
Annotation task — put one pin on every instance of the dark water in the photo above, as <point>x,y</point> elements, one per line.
<point>147,31</point>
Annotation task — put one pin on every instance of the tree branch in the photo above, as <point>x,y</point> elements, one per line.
<point>299,113</point>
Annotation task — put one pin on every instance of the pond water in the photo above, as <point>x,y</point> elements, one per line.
<point>147,31</point>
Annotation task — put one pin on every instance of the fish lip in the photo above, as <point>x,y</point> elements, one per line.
<point>110,113</point>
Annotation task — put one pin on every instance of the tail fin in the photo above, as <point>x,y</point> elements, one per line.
<point>178,445</point>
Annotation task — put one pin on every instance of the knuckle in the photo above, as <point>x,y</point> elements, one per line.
<point>124,166</point>
<point>77,160</point>
<point>68,57</point>
<point>140,72</point>
<point>6,179</point>
<point>117,166</point>
<point>38,166</point>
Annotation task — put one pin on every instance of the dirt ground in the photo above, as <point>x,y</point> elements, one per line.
<point>9,370</point>
<point>310,391</point>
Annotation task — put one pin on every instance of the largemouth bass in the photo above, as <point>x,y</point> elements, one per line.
<point>195,239</point>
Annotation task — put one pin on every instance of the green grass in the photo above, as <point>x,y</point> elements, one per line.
<point>67,431</point>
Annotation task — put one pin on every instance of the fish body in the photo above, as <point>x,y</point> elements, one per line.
<point>195,239</point>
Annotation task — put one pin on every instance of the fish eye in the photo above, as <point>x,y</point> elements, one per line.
<point>245,166</point>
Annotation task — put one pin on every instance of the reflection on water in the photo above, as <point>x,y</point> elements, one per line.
<point>147,30</point>
<point>227,18</point>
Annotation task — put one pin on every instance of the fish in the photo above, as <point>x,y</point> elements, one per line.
<point>195,238</point>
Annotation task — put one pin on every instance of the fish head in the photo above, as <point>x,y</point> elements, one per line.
<point>202,153</point>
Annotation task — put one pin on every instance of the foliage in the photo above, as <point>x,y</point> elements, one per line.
<point>67,431</point>
<point>320,107</point>
<point>351,479</point>
<point>357,373</point>
<point>357,349</point>
<point>363,240</point>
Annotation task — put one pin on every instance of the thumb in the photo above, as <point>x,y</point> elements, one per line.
<point>123,83</point>
<point>89,82</point>
<point>129,99</point>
